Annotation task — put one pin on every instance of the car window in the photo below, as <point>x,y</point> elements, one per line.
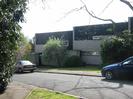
<point>18,63</point>
<point>26,63</point>
<point>128,62</point>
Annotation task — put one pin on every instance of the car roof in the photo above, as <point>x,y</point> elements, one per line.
<point>23,60</point>
<point>129,58</point>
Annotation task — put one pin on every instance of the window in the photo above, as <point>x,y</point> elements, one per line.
<point>88,53</point>
<point>65,43</point>
<point>128,62</point>
<point>96,37</point>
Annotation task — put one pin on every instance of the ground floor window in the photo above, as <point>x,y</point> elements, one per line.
<point>88,53</point>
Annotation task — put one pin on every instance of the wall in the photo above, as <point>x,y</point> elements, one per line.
<point>73,53</point>
<point>92,59</point>
<point>90,46</point>
<point>87,45</point>
<point>39,48</point>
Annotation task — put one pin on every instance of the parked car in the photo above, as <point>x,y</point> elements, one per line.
<point>122,69</point>
<point>25,65</point>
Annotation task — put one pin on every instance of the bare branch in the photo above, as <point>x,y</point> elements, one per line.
<point>127,3</point>
<point>107,6</point>
<point>44,3</point>
<point>71,11</point>
<point>94,16</point>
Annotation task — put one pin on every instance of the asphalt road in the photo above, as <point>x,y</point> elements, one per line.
<point>84,86</point>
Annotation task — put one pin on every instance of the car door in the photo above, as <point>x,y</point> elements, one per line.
<point>127,68</point>
<point>18,65</point>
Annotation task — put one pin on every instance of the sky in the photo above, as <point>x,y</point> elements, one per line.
<point>52,15</point>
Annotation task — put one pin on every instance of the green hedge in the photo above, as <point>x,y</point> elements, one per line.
<point>73,61</point>
<point>117,48</point>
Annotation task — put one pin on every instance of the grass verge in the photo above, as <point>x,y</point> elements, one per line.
<point>96,69</point>
<point>46,94</point>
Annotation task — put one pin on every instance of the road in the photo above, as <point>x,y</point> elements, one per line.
<point>84,86</point>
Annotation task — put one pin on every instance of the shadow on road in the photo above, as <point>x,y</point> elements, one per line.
<point>25,72</point>
<point>120,81</point>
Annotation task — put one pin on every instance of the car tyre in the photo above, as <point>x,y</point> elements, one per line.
<point>32,71</point>
<point>3,86</point>
<point>109,75</point>
<point>20,70</point>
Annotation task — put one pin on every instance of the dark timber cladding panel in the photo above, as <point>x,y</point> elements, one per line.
<point>130,24</point>
<point>42,38</point>
<point>86,32</point>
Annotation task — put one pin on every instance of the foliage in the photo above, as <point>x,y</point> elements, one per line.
<point>25,48</point>
<point>54,51</point>
<point>73,61</point>
<point>11,13</point>
<point>117,48</point>
<point>27,51</point>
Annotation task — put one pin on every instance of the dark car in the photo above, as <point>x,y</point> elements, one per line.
<point>25,65</point>
<point>122,69</point>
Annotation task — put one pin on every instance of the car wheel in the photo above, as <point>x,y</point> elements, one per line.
<point>2,88</point>
<point>109,75</point>
<point>20,70</point>
<point>32,71</point>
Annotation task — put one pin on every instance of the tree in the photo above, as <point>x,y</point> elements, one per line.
<point>24,49</point>
<point>11,13</point>
<point>27,51</point>
<point>54,51</point>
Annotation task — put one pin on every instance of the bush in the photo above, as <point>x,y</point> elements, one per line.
<point>117,48</point>
<point>54,51</point>
<point>73,61</point>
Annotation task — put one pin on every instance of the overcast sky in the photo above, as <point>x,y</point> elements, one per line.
<point>51,16</point>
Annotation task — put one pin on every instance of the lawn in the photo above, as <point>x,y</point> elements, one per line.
<point>81,68</point>
<point>46,94</point>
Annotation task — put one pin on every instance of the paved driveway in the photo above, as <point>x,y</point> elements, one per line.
<point>84,86</point>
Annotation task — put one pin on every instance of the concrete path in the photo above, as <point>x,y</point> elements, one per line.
<point>16,90</point>
<point>69,72</point>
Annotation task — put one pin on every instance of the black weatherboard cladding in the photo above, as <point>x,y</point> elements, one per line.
<point>86,32</point>
<point>42,38</point>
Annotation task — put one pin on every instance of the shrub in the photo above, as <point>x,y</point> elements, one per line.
<point>117,48</point>
<point>54,51</point>
<point>73,61</point>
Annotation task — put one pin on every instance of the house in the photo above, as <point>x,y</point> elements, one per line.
<point>87,39</point>
<point>84,39</point>
<point>41,38</point>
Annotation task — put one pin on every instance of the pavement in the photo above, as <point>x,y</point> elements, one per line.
<point>69,72</point>
<point>17,89</point>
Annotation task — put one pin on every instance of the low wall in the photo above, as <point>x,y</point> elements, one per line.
<point>92,59</point>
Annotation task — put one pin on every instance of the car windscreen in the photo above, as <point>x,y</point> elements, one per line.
<point>26,63</point>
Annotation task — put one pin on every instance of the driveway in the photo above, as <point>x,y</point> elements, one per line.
<point>84,86</point>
